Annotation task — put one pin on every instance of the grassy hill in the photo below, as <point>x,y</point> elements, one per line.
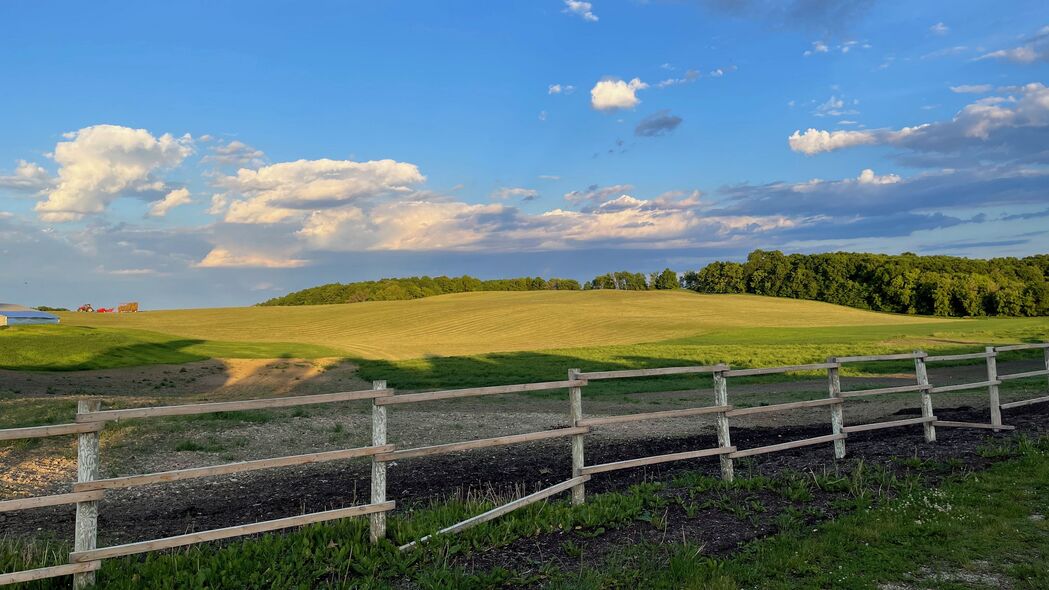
<point>477,323</point>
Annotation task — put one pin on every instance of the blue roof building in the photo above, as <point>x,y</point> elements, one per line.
<point>17,315</point>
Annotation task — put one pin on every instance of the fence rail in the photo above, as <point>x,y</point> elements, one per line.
<point>90,419</point>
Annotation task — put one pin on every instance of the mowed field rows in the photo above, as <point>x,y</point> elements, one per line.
<point>477,323</point>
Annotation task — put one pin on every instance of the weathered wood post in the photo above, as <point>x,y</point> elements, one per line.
<point>921,373</point>
<point>724,438</point>
<point>378,519</point>
<point>575,401</point>
<point>1045,353</point>
<point>87,469</point>
<point>992,387</point>
<point>837,411</point>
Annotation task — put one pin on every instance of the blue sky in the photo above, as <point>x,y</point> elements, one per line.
<point>205,154</point>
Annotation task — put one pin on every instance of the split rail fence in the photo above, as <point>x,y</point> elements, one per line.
<point>90,489</point>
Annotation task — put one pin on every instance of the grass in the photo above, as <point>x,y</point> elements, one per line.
<point>745,347</point>
<point>475,339</point>
<point>475,323</point>
<point>67,348</point>
<point>982,529</point>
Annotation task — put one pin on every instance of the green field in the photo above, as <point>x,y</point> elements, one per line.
<point>488,338</point>
<point>475,323</point>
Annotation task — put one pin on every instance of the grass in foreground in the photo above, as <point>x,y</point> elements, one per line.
<point>986,526</point>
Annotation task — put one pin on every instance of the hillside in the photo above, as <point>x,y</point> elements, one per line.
<point>475,323</point>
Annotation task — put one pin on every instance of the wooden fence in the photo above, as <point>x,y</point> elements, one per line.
<point>86,557</point>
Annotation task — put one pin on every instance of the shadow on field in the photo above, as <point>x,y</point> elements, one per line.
<point>526,367</point>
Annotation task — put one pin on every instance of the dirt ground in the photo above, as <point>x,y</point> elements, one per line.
<point>168,509</point>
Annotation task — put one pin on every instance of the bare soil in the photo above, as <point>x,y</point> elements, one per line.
<point>169,509</point>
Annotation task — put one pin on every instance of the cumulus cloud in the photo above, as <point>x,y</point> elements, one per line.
<point>28,177</point>
<point>179,196</point>
<point>583,10</point>
<point>815,141</point>
<point>236,153</point>
<point>98,164</point>
<point>658,123</point>
<point>972,88</point>
<point>939,29</point>
<point>505,193</point>
<point>289,190</point>
<point>1036,48</point>
<point>999,128</point>
<point>613,93</point>
<point>224,258</point>
<point>867,176</point>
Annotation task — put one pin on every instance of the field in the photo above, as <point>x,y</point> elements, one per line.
<point>799,519</point>
<point>473,323</point>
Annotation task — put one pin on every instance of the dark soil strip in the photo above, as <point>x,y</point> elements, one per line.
<point>164,510</point>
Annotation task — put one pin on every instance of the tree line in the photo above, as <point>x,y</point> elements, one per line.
<point>635,281</point>
<point>929,285</point>
<point>415,288</point>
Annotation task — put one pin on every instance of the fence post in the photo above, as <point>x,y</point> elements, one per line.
<point>378,519</point>
<point>921,372</point>
<point>87,469</point>
<point>575,400</point>
<point>837,411</point>
<point>724,438</point>
<point>992,389</point>
<point>1045,353</point>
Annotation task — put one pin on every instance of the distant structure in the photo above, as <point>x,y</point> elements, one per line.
<point>17,315</point>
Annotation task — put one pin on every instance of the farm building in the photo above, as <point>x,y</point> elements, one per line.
<point>17,315</point>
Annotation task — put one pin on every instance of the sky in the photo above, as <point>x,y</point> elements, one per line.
<point>202,154</point>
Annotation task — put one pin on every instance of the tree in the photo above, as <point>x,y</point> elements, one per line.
<point>666,280</point>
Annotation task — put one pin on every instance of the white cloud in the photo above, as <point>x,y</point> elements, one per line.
<point>582,9</point>
<point>1000,127</point>
<point>99,164</point>
<point>1035,49</point>
<point>559,89</point>
<point>598,194</point>
<point>28,176</point>
<point>289,190</point>
<point>817,47</point>
<point>504,193</point>
<point>224,258</point>
<point>611,94</point>
<point>835,106</point>
<point>814,141</point>
<point>236,153</point>
<point>690,76</point>
<point>845,47</point>
<point>179,196</point>
<point>867,176</point>
<point>939,29</point>
<point>972,88</point>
